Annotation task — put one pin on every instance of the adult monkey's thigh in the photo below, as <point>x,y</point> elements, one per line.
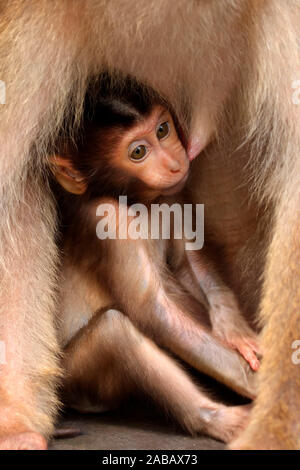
<point>236,68</point>
<point>276,411</point>
<point>28,254</point>
<point>27,270</point>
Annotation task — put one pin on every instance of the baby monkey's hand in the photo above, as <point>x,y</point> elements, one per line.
<point>229,325</point>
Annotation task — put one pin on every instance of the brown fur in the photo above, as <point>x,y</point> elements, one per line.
<point>237,81</point>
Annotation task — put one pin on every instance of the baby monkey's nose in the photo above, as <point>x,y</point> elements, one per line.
<point>175,170</point>
<point>174,166</point>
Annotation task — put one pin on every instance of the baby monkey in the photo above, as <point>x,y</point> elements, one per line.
<point>120,303</point>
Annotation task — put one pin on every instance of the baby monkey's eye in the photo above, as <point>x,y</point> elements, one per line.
<point>163,130</point>
<point>138,153</point>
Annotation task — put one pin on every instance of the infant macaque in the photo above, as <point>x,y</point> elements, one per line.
<point>122,297</point>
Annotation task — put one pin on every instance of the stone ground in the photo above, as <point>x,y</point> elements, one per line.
<point>139,425</point>
<point>134,428</point>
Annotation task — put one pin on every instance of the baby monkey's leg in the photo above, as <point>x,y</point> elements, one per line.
<point>150,297</point>
<point>109,358</point>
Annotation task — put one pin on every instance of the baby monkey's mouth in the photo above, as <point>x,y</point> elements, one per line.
<point>176,188</point>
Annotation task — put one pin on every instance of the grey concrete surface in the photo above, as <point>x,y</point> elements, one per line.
<point>139,425</point>
<point>129,429</point>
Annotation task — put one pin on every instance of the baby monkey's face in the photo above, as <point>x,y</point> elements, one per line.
<point>152,152</point>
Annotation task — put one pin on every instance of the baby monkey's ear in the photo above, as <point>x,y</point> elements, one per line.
<point>69,178</point>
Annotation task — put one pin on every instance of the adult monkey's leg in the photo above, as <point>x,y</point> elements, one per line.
<point>276,413</point>
<point>275,421</point>
<point>29,372</point>
<point>31,113</point>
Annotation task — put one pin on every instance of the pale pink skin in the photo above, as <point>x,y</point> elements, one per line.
<point>198,142</point>
<point>195,146</point>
